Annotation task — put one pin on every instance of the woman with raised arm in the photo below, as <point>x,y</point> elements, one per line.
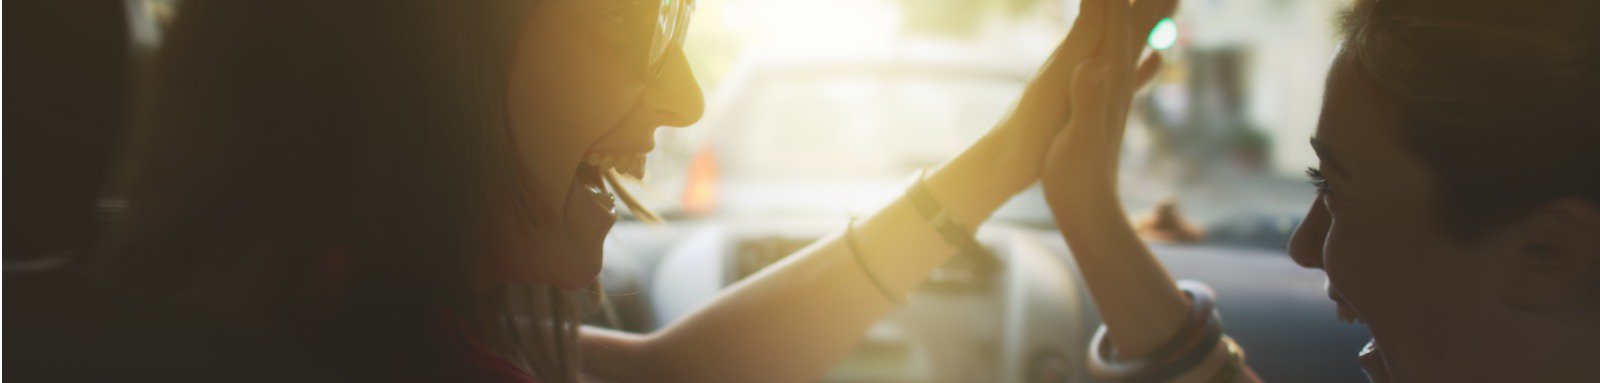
<point>1457,212</point>
<point>410,190</point>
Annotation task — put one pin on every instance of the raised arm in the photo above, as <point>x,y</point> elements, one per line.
<point>1140,304</point>
<point>797,318</point>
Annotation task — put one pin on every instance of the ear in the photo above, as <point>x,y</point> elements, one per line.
<point>1557,256</point>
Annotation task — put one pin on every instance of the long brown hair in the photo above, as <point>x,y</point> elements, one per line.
<point>1498,97</point>
<point>281,142</point>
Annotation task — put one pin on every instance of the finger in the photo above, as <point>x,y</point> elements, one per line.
<point>1084,38</point>
<point>1092,17</point>
<point>1119,19</point>
<point>1147,70</point>
<point>1050,85</point>
<point>1119,39</point>
<point>1082,138</point>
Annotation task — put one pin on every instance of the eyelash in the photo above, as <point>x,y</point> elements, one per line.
<point>1319,181</point>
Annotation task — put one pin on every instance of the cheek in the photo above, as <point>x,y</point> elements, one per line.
<point>1389,259</point>
<point>1365,253</point>
<point>566,90</point>
<point>571,78</point>
<point>578,90</point>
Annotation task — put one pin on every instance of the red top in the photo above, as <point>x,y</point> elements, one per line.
<point>475,361</point>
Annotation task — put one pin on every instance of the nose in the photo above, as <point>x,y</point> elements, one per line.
<point>1305,246</point>
<point>675,98</point>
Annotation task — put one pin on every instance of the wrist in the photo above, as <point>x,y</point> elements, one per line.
<point>1017,159</point>
<point>1080,196</point>
<point>976,182</point>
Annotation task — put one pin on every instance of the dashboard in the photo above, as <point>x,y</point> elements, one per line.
<point>1027,321</point>
<point>1020,322</point>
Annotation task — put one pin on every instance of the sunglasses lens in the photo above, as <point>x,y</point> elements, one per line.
<point>672,22</point>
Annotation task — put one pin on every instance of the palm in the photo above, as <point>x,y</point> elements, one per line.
<point>1046,103</point>
<point>1081,161</point>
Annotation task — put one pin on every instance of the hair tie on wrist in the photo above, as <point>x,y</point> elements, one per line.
<point>850,240</point>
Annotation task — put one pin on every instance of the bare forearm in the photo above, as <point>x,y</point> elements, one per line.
<point>791,321</point>
<point>1139,302</point>
<point>610,355</point>
<point>797,318</point>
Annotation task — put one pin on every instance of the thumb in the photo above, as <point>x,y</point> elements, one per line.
<point>1077,144</point>
<point>1090,104</point>
<point>1081,154</point>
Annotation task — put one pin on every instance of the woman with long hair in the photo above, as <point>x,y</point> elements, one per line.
<point>1457,210</point>
<point>412,190</point>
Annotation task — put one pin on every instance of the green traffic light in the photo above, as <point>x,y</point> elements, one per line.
<point>1164,35</point>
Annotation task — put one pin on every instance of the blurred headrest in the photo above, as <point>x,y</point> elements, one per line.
<point>69,73</point>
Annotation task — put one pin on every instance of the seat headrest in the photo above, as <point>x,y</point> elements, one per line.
<point>69,76</point>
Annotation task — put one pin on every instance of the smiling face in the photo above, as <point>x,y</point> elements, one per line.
<point>1375,229</point>
<point>1456,213</point>
<point>576,92</point>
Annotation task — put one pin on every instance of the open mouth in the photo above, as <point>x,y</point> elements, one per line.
<point>1344,312</point>
<point>591,208</point>
<point>596,170</point>
<point>1370,357</point>
<point>1372,362</point>
<point>589,177</point>
<point>630,163</point>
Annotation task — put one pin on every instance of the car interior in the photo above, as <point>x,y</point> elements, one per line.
<point>1024,318</point>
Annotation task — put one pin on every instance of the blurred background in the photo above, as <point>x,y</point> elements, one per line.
<point>808,101</point>
<point>820,109</point>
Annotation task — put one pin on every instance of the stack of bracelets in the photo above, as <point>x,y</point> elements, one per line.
<point>1201,332</point>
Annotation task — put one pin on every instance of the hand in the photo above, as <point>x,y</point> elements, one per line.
<point>1011,156</point>
<point>1026,133</point>
<point>1080,166</point>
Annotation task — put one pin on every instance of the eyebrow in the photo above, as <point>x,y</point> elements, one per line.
<point>1322,153</point>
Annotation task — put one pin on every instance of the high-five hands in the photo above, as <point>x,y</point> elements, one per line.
<point>1080,166</point>
<point>1029,130</point>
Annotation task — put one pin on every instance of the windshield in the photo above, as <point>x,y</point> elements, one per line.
<point>810,103</point>
<point>842,125</point>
